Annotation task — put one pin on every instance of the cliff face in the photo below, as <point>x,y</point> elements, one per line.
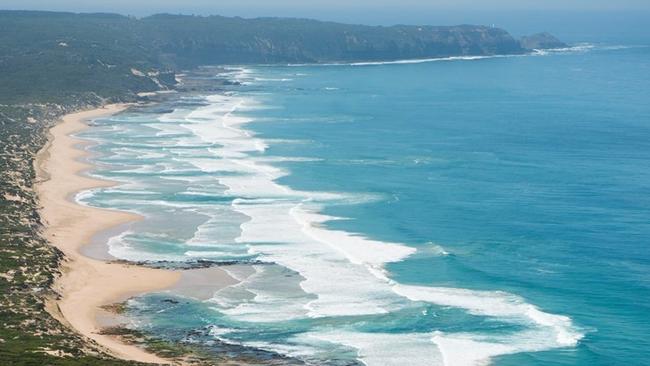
<point>214,40</point>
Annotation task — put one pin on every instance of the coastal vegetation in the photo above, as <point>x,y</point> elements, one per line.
<point>55,63</point>
<point>29,335</point>
<point>56,57</point>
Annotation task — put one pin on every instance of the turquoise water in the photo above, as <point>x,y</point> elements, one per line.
<point>438,213</point>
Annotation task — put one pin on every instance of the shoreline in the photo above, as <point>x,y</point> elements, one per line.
<point>87,284</point>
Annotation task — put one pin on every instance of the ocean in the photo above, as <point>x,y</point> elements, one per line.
<point>449,212</point>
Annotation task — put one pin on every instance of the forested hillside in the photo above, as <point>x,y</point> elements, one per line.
<point>51,56</point>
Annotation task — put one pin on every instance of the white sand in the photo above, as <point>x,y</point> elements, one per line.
<point>87,284</point>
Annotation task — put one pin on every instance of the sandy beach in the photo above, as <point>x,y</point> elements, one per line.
<point>87,284</point>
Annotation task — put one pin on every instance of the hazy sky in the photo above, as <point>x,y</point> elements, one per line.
<point>574,20</point>
<point>310,7</point>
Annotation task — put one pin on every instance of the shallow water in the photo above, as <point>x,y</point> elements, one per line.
<point>430,213</point>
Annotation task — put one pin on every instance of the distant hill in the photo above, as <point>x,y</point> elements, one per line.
<point>50,54</point>
<point>198,40</point>
<point>541,41</point>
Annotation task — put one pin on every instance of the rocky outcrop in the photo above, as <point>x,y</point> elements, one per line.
<point>541,41</point>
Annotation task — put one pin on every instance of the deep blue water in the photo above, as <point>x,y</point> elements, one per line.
<point>496,207</point>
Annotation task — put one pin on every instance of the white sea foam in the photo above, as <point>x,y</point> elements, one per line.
<point>462,350</point>
<point>282,159</point>
<point>241,75</point>
<point>582,47</point>
<point>383,349</point>
<point>325,272</point>
<point>209,254</point>
<point>272,79</point>
<point>120,247</point>
<point>343,288</point>
<point>282,231</point>
<point>410,61</point>
<point>84,197</point>
<point>129,191</point>
<point>495,304</point>
<point>218,231</point>
<point>344,270</point>
<point>293,350</point>
<point>434,59</point>
<point>272,300</point>
<point>357,249</point>
<point>546,330</point>
<point>435,249</point>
